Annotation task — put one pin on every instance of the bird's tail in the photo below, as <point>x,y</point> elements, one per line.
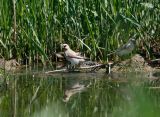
<point>92,65</point>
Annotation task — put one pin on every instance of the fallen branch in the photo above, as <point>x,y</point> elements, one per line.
<point>90,68</point>
<point>154,87</point>
<point>154,60</point>
<point>55,71</point>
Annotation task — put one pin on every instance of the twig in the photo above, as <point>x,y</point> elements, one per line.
<point>155,60</point>
<point>55,71</point>
<point>154,87</point>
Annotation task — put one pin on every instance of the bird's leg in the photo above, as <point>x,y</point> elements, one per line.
<point>72,67</point>
<point>69,66</point>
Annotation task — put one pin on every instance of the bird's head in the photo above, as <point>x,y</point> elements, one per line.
<point>65,46</point>
<point>132,40</point>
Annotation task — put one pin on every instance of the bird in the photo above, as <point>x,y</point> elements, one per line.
<point>126,48</point>
<point>71,56</point>
<point>76,60</point>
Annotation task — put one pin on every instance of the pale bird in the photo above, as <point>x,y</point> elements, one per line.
<point>125,49</point>
<point>71,56</point>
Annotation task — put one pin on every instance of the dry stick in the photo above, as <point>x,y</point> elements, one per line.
<point>154,87</point>
<point>55,71</point>
<point>154,60</point>
<point>94,67</point>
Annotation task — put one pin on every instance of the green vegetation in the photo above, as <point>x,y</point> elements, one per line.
<point>34,29</point>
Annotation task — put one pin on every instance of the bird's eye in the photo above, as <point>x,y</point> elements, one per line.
<point>65,46</point>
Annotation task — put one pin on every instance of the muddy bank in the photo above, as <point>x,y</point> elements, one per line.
<point>135,64</point>
<point>9,65</point>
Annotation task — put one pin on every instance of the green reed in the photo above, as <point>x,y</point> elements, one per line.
<point>94,27</point>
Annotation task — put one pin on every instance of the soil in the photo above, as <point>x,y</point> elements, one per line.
<point>135,64</point>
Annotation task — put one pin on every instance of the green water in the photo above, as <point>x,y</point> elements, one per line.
<point>79,95</point>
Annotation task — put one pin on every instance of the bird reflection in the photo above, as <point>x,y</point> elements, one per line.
<point>74,89</point>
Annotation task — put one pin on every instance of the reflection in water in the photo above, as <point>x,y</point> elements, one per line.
<point>99,96</point>
<point>74,89</point>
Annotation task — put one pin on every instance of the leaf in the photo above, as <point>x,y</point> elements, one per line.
<point>3,44</point>
<point>130,20</point>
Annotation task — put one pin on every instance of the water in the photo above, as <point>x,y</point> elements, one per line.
<point>31,94</point>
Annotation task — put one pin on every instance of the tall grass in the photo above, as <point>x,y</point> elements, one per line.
<point>95,27</point>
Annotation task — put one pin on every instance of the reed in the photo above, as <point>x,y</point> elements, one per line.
<point>94,27</point>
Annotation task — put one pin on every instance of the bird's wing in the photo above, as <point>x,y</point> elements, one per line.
<point>73,54</point>
<point>127,45</point>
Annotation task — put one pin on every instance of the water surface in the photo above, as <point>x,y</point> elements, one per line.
<point>35,94</point>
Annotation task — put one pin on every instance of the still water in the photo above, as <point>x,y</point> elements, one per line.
<point>35,94</point>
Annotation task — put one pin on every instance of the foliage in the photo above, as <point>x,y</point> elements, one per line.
<point>101,25</point>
